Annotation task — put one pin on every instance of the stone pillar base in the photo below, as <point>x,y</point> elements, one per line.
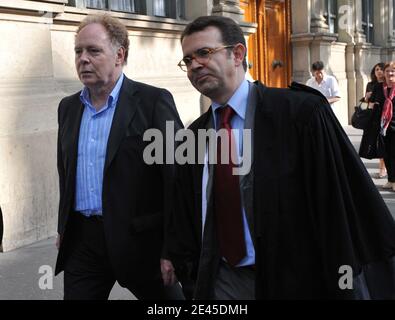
<point>230,9</point>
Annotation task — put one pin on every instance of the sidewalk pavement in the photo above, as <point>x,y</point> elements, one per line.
<point>20,274</point>
<point>372,167</point>
<point>20,269</point>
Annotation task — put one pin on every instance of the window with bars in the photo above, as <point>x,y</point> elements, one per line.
<point>330,14</point>
<point>367,20</point>
<point>169,8</point>
<point>161,8</point>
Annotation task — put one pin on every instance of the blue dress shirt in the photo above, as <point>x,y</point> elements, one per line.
<point>92,145</point>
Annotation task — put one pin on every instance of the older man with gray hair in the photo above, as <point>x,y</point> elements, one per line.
<point>114,208</point>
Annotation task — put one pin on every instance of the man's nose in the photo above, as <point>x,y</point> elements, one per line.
<point>83,57</point>
<point>195,64</point>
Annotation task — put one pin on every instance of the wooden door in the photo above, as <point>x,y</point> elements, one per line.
<point>276,29</point>
<point>250,15</point>
<point>269,49</point>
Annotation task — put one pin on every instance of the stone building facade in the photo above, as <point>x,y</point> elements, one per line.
<point>350,36</point>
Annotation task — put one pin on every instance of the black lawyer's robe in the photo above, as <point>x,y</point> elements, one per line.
<point>315,206</point>
<point>136,197</point>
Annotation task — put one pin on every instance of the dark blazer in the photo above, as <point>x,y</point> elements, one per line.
<point>315,207</point>
<point>136,197</point>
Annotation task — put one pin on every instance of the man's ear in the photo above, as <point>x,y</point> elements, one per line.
<point>120,56</point>
<point>239,52</point>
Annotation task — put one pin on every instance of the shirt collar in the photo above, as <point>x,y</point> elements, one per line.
<point>112,98</point>
<point>324,79</point>
<point>238,101</point>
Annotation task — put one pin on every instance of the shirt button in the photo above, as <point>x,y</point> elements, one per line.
<point>91,164</point>
<point>93,140</point>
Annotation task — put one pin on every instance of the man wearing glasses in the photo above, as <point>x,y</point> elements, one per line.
<point>306,222</point>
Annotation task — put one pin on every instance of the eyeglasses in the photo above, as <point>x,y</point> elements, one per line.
<point>201,56</point>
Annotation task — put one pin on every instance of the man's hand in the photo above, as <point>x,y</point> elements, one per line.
<point>58,241</point>
<point>333,99</point>
<point>168,275</point>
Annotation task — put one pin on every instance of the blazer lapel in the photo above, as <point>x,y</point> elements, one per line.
<point>266,159</point>
<point>74,127</point>
<point>197,171</point>
<point>209,257</point>
<point>246,181</point>
<point>126,108</point>
<point>71,138</point>
<point>210,171</point>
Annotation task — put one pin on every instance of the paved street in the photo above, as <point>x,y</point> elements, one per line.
<point>19,274</point>
<point>19,269</point>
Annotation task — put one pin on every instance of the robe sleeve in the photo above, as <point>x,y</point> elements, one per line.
<point>166,112</point>
<point>184,245</point>
<point>353,226</point>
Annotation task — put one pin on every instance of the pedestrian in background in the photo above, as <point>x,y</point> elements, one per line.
<point>383,99</point>
<point>324,83</point>
<point>376,76</point>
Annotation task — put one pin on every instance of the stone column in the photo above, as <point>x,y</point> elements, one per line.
<point>390,31</point>
<point>351,78</point>
<point>301,39</point>
<point>358,32</point>
<point>381,22</point>
<point>318,23</point>
<point>321,47</point>
<point>346,34</point>
<point>228,8</point>
<point>301,62</point>
<point>346,21</point>
<point>361,52</point>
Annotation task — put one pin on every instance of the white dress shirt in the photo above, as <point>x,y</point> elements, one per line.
<point>328,86</point>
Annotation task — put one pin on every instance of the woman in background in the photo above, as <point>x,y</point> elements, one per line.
<point>383,98</point>
<point>376,76</point>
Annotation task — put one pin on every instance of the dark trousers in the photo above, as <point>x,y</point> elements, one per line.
<point>88,274</point>
<point>389,158</point>
<point>234,283</point>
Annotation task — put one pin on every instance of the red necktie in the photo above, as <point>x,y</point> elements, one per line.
<point>227,203</point>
